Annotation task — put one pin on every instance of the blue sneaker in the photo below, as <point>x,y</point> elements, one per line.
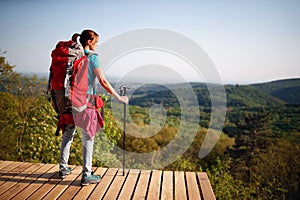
<point>87,180</point>
<point>64,172</point>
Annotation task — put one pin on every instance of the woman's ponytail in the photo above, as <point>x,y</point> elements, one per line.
<point>75,36</point>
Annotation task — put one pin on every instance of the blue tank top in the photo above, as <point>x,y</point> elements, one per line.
<point>94,63</point>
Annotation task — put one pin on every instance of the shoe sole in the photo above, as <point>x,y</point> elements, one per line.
<point>86,184</point>
<point>63,176</point>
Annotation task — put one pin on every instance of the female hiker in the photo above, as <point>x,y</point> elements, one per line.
<point>89,41</point>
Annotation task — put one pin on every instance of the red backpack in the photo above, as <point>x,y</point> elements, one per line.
<point>68,81</point>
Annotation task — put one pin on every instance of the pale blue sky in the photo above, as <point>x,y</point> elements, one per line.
<point>248,40</point>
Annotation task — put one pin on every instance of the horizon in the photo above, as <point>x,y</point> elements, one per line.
<point>116,79</point>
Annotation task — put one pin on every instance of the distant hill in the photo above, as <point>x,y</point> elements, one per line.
<point>247,96</point>
<point>288,90</point>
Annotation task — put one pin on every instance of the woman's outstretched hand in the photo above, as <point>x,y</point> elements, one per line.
<point>123,99</point>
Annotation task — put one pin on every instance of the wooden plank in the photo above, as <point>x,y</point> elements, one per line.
<point>104,184</point>
<point>129,185</point>
<point>116,185</point>
<point>8,171</point>
<point>4,164</point>
<point>180,187</point>
<point>142,185</point>
<point>167,185</point>
<point>15,176</point>
<point>18,167</point>
<point>205,186</point>
<point>50,170</point>
<point>154,186</point>
<point>11,167</point>
<point>34,173</point>
<point>86,190</point>
<point>59,188</point>
<point>192,186</point>
<point>46,187</point>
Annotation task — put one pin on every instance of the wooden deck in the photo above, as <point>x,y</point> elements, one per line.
<point>21,180</point>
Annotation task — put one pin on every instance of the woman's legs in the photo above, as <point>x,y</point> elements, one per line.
<point>67,139</point>
<point>87,153</point>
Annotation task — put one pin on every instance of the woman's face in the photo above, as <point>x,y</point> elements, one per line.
<point>93,43</point>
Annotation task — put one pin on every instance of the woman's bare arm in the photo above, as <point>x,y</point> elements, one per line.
<point>107,86</point>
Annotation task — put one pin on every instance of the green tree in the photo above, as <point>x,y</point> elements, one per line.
<point>276,172</point>
<point>225,186</point>
<point>253,137</point>
<point>8,119</point>
<point>8,77</point>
